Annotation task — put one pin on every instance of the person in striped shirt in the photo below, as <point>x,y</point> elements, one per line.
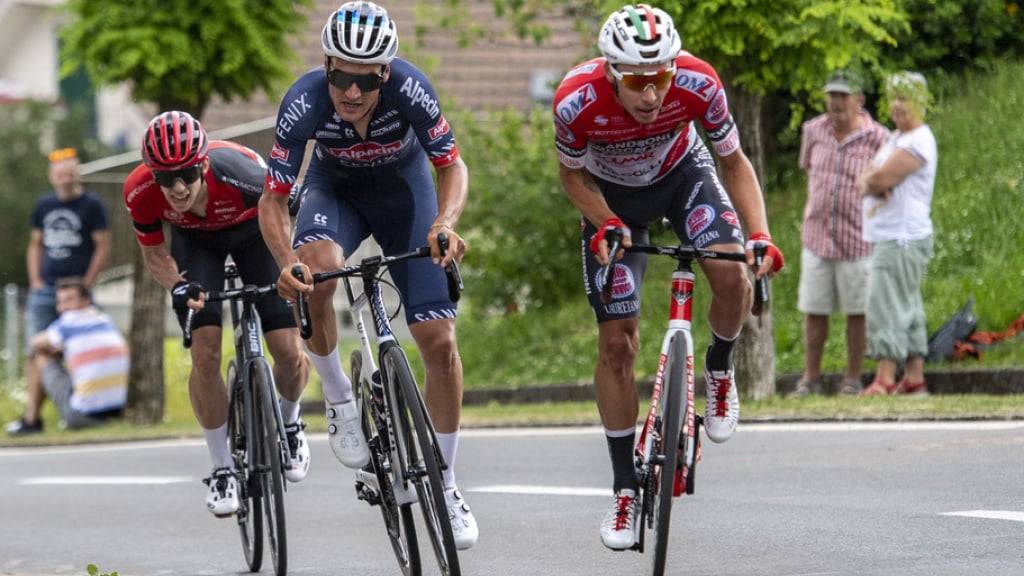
<point>82,363</point>
<point>836,147</point>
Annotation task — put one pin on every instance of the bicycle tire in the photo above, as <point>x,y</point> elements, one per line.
<point>398,519</point>
<point>271,473</point>
<point>249,515</point>
<point>429,487</point>
<point>673,403</point>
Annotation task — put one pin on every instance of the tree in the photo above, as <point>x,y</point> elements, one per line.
<point>177,54</point>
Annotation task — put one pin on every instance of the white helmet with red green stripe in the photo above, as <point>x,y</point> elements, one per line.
<point>639,35</point>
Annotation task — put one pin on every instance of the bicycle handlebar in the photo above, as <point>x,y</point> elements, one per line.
<point>370,265</point>
<point>684,254</point>
<point>247,293</point>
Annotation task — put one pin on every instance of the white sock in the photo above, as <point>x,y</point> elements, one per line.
<point>217,444</point>
<point>449,445</point>
<point>336,386</point>
<point>289,410</point>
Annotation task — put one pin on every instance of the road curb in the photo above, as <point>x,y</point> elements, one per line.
<point>1010,381</point>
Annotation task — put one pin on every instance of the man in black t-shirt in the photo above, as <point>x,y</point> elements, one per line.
<point>69,238</point>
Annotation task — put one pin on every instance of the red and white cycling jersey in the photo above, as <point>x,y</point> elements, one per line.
<point>594,131</point>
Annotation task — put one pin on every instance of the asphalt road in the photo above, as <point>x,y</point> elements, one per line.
<point>801,500</point>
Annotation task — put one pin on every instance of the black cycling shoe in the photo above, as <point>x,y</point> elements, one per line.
<point>20,427</point>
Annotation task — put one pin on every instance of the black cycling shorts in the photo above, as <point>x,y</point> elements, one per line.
<point>201,256</point>
<point>690,197</point>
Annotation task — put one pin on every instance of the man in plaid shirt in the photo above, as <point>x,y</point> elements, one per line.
<point>836,147</point>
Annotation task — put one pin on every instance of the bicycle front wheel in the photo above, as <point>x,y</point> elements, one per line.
<point>271,474</point>
<point>673,405</point>
<point>424,459</point>
<point>243,451</point>
<point>398,521</point>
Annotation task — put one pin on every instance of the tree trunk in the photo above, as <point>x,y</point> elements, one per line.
<point>146,339</point>
<point>755,350</point>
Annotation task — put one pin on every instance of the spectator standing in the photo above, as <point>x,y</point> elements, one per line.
<point>92,383</point>
<point>69,238</point>
<point>897,221</point>
<point>835,148</point>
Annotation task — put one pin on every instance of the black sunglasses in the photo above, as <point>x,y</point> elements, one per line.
<point>187,176</point>
<point>366,82</point>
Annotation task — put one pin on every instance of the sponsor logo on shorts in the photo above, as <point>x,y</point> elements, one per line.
<point>730,217</point>
<point>693,194</point>
<point>439,314</point>
<point>706,238</point>
<point>699,220</point>
<point>320,219</point>
<point>623,284</point>
<point>572,105</point>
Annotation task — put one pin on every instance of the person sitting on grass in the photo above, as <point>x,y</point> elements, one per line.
<point>91,384</point>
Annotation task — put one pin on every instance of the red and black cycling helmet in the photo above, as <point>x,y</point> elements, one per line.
<point>174,140</point>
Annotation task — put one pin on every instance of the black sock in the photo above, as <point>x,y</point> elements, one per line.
<point>621,451</point>
<point>719,358</point>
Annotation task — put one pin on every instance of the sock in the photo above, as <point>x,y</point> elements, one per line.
<point>719,358</point>
<point>620,448</point>
<point>449,445</point>
<point>336,386</point>
<point>289,410</point>
<point>217,444</point>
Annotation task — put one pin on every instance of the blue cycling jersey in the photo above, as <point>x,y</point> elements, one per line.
<point>406,123</point>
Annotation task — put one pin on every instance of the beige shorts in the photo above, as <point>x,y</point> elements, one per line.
<point>829,286</point>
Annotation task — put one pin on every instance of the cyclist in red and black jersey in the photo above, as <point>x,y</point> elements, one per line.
<point>208,191</point>
<point>630,154</point>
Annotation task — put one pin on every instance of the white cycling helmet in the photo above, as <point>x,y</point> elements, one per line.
<point>360,32</point>
<point>639,35</point>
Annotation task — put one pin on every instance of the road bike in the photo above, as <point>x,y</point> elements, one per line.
<point>668,446</point>
<point>405,461</point>
<point>256,436</point>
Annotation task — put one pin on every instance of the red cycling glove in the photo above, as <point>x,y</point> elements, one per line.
<point>772,251</point>
<point>609,224</point>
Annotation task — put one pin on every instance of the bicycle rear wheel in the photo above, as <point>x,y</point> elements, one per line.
<point>424,459</point>
<point>672,408</point>
<point>271,474</point>
<point>249,515</point>
<point>398,520</point>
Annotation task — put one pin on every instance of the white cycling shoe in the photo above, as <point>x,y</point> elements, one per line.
<point>222,499</point>
<point>723,409</point>
<point>618,530</point>
<point>464,527</point>
<point>298,448</point>
<point>345,434</point>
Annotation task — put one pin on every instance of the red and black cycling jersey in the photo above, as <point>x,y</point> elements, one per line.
<point>234,184</point>
<point>593,130</point>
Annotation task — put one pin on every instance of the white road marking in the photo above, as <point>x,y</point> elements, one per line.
<point>103,480</point>
<point>989,514</point>
<point>528,432</point>
<point>542,490</point>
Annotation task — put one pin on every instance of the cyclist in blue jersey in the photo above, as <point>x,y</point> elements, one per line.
<point>377,126</point>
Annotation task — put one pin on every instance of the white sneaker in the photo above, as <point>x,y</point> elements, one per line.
<point>723,409</point>
<point>366,476</point>
<point>464,527</point>
<point>299,450</point>
<point>618,529</point>
<point>345,433</point>
<point>222,499</point>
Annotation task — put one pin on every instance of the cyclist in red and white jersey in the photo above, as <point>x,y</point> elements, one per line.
<point>630,154</point>
<point>208,191</point>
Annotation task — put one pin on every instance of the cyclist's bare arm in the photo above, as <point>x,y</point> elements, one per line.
<point>588,199</point>
<point>744,190</point>
<point>275,226</point>
<point>161,265</point>
<point>452,191</point>
<point>33,257</point>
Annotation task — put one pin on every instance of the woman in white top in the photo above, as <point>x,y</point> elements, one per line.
<point>897,194</point>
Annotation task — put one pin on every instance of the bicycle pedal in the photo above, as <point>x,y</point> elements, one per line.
<point>367,494</point>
